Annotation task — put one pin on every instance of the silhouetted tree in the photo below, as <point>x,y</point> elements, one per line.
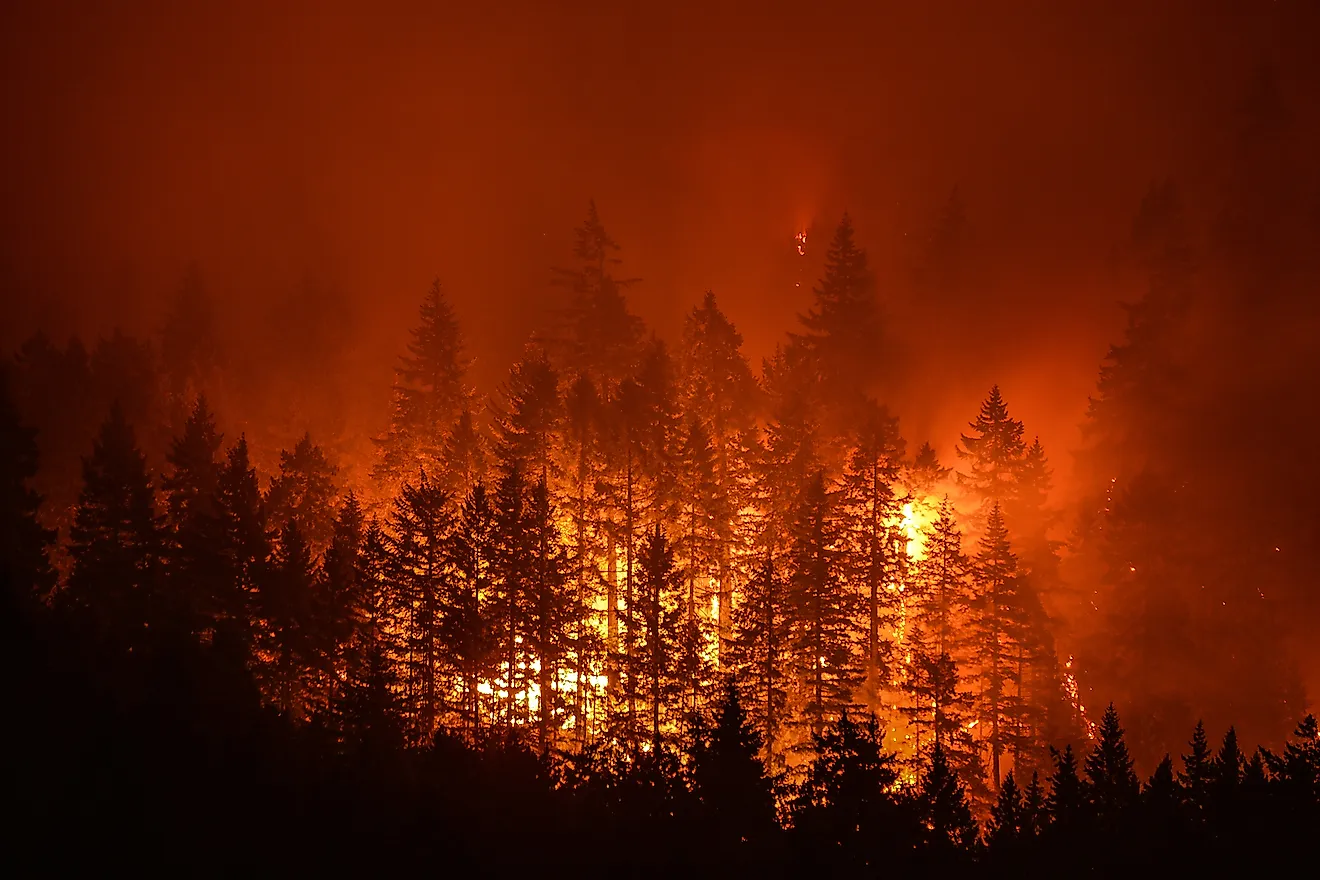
<point>761,651</point>
<point>1113,786</point>
<point>728,777</point>
<point>26,575</point>
<point>193,544</point>
<point>304,493</point>
<point>947,825</point>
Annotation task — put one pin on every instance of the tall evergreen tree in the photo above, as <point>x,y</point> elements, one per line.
<point>26,575</point>
<point>728,777</point>
<point>245,549</point>
<point>552,611</point>
<point>998,631</point>
<point>760,652</point>
<point>285,637</point>
<point>419,528</point>
<point>466,624</point>
<point>658,619</point>
<point>193,544</point>
<point>304,493</point>
<point>430,398</point>
<point>1197,773</point>
<point>946,816</point>
<point>821,614</point>
<point>1113,785</point>
<point>115,541</point>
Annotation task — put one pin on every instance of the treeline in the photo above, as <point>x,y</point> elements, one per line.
<point>594,552</point>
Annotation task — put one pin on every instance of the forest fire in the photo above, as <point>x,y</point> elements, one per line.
<point>923,396</point>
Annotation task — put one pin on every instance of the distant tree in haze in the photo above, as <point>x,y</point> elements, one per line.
<point>245,549</point>
<point>598,336</point>
<point>843,333</point>
<point>26,575</point>
<point>115,542</point>
<point>529,418</point>
<point>190,357</point>
<point>427,427</point>
<point>304,494</point>
<point>193,543</point>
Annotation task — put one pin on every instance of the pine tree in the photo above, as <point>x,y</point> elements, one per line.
<point>701,519</point>
<point>1113,785</point>
<point>1197,773</point>
<point>845,800</point>
<point>285,637</point>
<point>719,394</point>
<point>340,602</point>
<point>942,576</point>
<point>464,458</point>
<point>1007,830</point>
<point>245,549</point>
<point>1067,801</point>
<point>874,555</point>
<point>430,399</point>
<point>844,334</point>
<point>1227,770</point>
<point>26,575</point>
<point>552,611</point>
<point>529,419</point>
<point>994,452</point>
<point>821,613</point>
<point>512,582</point>
<point>193,566</point>
<point>115,542</point>
<point>728,777</point>
<point>942,708</point>
<point>466,624</point>
<point>598,336</point>
<point>304,493</point>
<point>947,823</point>
<point>658,619</point>
<point>419,527</point>
<point>997,632</point>
<point>761,651</point>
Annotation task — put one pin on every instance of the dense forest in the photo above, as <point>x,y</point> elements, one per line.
<point>647,604</point>
<point>644,602</point>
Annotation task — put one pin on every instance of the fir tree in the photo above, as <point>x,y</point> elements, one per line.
<point>874,556</point>
<point>527,422</point>
<point>947,822</point>
<point>761,651</point>
<point>419,528</point>
<point>658,618</point>
<point>598,336</point>
<point>845,801</point>
<point>466,625</point>
<point>304,493</point>
<point>702,515</point>
<point>1006,830</point>
<point>1113,786</point>
<point>26,575</point>
<point>245,548</point>
<point>994,452</point>
<point>552,611</point>
<point>1067,801</point>
<point>115,541</point>
<point>193,546</point>
<point>942,575</point>
<point>821,613</point>
<point>512,583</point>
<point>285,637</point>
<point>1197,773</point>
<point>997,631</point>
<point>728,777</point>
<point>340,601</point>
<point>430,398</point>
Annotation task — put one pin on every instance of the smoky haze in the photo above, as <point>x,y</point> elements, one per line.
<point>325,154</point>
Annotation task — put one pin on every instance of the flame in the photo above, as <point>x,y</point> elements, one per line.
<point>801,240</point>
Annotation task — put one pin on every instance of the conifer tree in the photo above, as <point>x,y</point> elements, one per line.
<point>552,610</point>
<point>419,527</point>
<point>844,335</point>
<point>286,635</point>
<point>1067,801</point>
<point>994,452</point>
<point>942,708</point>
<point>874,554</point>
<point>821,612</point>
<point>304,493</point>
<point>464,456</point>
<point>598,337</point>
<point>466,624</point>
<point>189,350</point>
<point>26,575</point>
<point>718,392</point>
<point>430,399</point>
<point>1035,814</point>
<point>728,777</point>
<point>512,583</point>
<point>1227,769</point>
<point>845,801</point>
<point>1197,773</point>
<point>193,545</point>
<point>340,602</point>
<point>1113,786</point>
<point>761,651</point>
<point>947,821</point>
<point>1006,830</point>
<point>942,575</point>
<point>658,619</point>
<point>997,631</point>
<point>529,419</point>
<point>245,548</point>
<point>115,541</point>
<point>703,546</point>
